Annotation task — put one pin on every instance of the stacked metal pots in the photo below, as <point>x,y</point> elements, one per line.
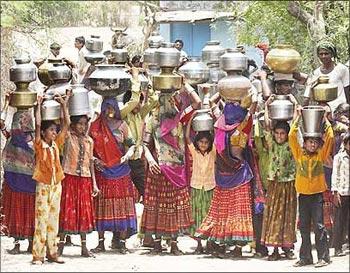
<point>54,71</point>
<point>149,57</point>
<point>22,74</point>
<point>211,53</point>
<point>93,53</point>
<point>234,87</point>
<point>50,109</point>
<point>203,121</point>
<point>168,58</point>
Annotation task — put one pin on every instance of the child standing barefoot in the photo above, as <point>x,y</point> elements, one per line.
<point>48,174</point>
<point>79,184</point>
<point>203,153</point>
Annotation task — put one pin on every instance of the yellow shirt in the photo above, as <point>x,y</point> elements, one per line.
<point>203,170</point>
<point>310,177</point>
<point>136,123</point>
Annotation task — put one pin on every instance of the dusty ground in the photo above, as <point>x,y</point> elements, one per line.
<point>140,260</point>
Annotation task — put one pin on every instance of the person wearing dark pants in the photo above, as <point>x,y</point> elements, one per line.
<point>137,174</point>
<point>310,183</point>
<point>311,210</point>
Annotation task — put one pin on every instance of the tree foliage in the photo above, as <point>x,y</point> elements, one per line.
<point>271,20</point>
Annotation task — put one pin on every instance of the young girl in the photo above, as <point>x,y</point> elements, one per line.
<point>48,174</point>
<point>280,211</point>
<point>79,184</point>
<point>203,154</point>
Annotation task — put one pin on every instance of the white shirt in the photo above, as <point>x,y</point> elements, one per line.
<point>340,174</point>
<point>82,65</point>
<point>340,76</point>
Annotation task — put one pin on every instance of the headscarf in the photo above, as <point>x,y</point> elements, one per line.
<point>21,128</point>
<point>234,113</point>
<point>329,46</point>
<point>112,102</point>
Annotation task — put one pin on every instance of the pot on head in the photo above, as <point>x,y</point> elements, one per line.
<point>233,60</point>
<point>312,120</point>
<point>202,121</point>
<point>283,59</point>
<point>281,108</point>
<point>195,71</point>
<point>325,91</point>
<point>167,81</point>
<point>94,43</point>
<point>23,70</point>
<point>79,101</point>
<point>212,51</point>
<point>167,55</point>
<point>50,109</point>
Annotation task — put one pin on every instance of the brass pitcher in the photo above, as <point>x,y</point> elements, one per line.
<point>283,59</point>
<point>167,81</point>
<point>325,91</point>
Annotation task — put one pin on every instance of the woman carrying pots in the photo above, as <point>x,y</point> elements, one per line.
<point>115,205</point>
<point>167,209</point>
<point>18,189</point>
<point>229,219</point>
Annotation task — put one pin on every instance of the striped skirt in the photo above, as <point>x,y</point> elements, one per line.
<point>76,210</point>
<point>200,203</point>
<point>167,209</point>
<point>279,228</point>
<point>115,205</point>
<point>17,213</point>
<point>229,219</point>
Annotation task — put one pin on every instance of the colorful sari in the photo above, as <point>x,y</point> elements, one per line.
<point>115,206</point>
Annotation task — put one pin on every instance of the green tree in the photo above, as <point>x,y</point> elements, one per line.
<point>299,23</point>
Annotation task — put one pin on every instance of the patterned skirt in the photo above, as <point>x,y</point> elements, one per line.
<point>18,213</point>
<point>200,203</point>
<point>76,211</point>
<point>167,209</point>
<point>229,219</point>
<point>115,205</point>
<point>280,215</point>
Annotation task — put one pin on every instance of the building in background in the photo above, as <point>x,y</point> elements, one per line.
<point>195,23</point>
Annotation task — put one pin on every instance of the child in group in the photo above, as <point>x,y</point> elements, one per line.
<point>310,183</point>
<point>203,153</point>
<point>281,203</point>
<point>48,175</point>
<point>341,191</point>
<point>79,184</point>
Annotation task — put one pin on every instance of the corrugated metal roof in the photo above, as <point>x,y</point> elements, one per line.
<point>191,16</point>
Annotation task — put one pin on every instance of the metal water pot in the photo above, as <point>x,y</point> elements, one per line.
<point>215,72</point>
<point>50,109</point>
<point>283,59</point>
<point>203,121</point>
<point>195,71</point>
<point>233,60</point>
<point>110,80</point>
<point>167,81</point>
<point>325,91</point>
<point>212,51</point>
<point>149,56</point>
<point>94,43</point>
<point>23,98</point>
<point>43,71</point>
<point>23,70</point>
<point>79,101</point>
<point>155,39</point>
<point>153,70</point>
<point>281,108</point>
<point>312,120</point>
<point>94,57</point>
<point>167,55</point>
<point>119,55</point>
<point>58,88</point>
<point>234,87</point>
<point>59,72</point>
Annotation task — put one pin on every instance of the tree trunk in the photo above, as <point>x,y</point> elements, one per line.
<point>315,23</point>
